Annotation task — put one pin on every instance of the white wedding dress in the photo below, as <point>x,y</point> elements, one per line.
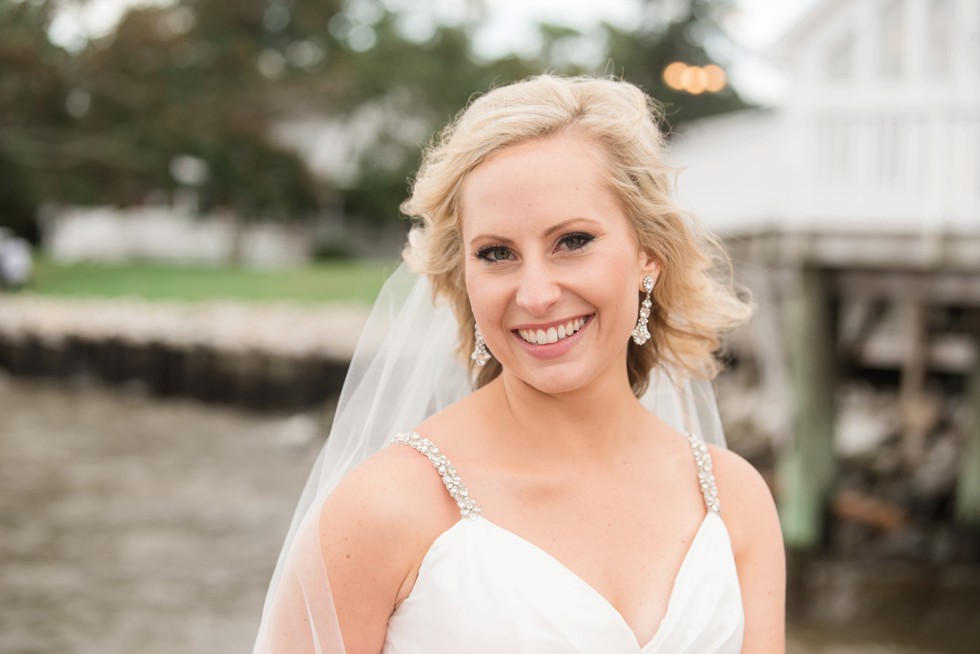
<point>481,588</point>
<point>484,590</point>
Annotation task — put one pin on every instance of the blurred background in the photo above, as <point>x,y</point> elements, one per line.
<point>199,201</point>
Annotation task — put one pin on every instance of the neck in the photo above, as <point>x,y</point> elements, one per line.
<point>589,425</point>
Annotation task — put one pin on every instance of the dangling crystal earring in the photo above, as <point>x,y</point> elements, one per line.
<point>640,333</point>
<point>480,354</point>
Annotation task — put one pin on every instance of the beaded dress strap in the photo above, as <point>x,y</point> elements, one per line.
<point>705,475</point>
<point>455,486</point>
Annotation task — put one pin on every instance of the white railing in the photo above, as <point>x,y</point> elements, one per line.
<point>901,168</point>
<point>829,168</point>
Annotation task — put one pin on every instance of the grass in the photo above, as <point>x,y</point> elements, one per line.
<point>321,282</point>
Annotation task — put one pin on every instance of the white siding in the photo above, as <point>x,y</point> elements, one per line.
<point>881,131</point>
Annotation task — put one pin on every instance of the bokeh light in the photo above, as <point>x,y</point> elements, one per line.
<point>695,79</point>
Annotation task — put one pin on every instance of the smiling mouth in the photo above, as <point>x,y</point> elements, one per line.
<point>552,334</point>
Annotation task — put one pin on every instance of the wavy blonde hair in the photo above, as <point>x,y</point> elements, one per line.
<point>694,301</point>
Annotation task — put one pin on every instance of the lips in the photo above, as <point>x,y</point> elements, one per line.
<point>551,334</point>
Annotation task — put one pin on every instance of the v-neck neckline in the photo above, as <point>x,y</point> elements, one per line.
<point>564,569</point>
<point>473,515</point>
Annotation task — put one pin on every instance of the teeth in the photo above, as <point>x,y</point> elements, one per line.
<point>553,334</point>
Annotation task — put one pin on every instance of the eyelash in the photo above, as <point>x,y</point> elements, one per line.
<point>484,253</point>
<point>585,236</point>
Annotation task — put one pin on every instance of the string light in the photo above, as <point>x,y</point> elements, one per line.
<point>717,79</point>
<point>695,79</point>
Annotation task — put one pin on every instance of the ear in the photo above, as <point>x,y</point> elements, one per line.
<point>649,265</point>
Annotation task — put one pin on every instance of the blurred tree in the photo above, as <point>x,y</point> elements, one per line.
<point>183,81</point>
<point>209,81</point>
<point>105,125</point>
<point>680,31</point>
<point>415,88</point>
<point>18,199</point>
<point>32,121</point>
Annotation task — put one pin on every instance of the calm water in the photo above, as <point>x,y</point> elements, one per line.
<point>130,524</point>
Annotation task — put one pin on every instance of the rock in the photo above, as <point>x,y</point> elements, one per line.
<point>936,474</point>
<point>856,506</point>
<point>281,328</point>
<point>865,420</point>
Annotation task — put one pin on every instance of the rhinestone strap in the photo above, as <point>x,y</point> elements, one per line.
<point>467,507</point>
<point>705,476</point>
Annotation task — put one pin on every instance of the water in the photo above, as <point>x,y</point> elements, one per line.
<point>136,525</point>
<point>133,524</point>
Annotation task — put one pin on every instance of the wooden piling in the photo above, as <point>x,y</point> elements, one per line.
<point>806,467</point>
<point>968,482</point>
<point>915,430</point>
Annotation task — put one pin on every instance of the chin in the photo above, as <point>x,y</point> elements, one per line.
<point>554,381</point>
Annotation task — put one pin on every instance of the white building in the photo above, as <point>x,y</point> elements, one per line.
<point>881,131</point>
<point>170,234</point>
<point>854,212</point>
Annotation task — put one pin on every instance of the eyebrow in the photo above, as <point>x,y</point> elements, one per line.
<point>548,232</point>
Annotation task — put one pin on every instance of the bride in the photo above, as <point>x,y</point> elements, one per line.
<point>554,508</point>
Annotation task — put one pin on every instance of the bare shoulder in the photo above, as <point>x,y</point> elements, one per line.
<point>746,500</point>
<point>382,518</point>
<point>750,516</point>
<point>737,476</point>
<point>391,492</point>
<point>375,528</point>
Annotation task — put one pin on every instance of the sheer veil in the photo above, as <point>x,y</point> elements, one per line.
<point>403,370</point>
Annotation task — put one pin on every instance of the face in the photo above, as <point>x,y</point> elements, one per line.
<point>553,267</point>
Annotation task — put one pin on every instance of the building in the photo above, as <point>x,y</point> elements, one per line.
<point>853,212</point>
<point>881,131</point>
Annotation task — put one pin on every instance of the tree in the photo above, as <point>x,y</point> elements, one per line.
<point>210,80</point>
<point>182,81</point>
<point>641,55</point>
<point>32,118</point>
<point>424,84</point>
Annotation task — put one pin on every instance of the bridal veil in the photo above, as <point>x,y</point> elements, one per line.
<point>403,370</point>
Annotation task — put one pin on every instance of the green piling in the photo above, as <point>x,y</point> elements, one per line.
<point>806,467</point>
<point>968,481</point>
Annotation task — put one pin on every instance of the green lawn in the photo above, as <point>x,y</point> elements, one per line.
<point>348,280</point>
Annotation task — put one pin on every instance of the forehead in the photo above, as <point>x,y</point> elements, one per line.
<point>551,178</point>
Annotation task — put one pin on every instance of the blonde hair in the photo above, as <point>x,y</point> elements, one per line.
<point>694,300</point>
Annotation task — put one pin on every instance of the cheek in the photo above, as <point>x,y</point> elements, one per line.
<point>484,297</point>
<point>623,272</point>
<point>625,310</point>
<point>623,279</point>
<point>472,281</point>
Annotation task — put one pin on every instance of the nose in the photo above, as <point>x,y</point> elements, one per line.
<point>538,289</point>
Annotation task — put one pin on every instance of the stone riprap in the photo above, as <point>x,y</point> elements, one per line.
<point>289,329</point>
<point>261,356</point>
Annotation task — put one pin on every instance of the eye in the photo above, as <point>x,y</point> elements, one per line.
<point>493,253</point>
<point>575,240</point>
